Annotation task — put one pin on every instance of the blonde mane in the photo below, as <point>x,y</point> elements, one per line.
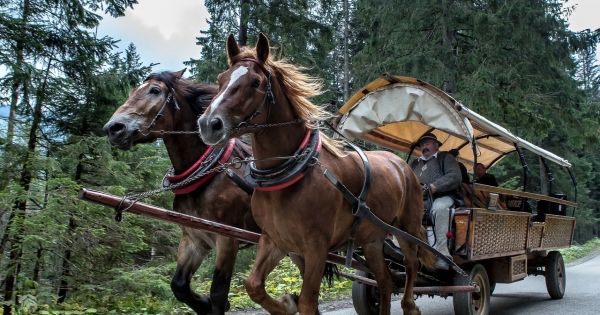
<point>298,87</point>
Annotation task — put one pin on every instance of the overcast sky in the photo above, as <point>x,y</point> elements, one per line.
<point>165,31</point>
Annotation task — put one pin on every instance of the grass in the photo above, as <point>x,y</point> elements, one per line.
<point>577,251</point>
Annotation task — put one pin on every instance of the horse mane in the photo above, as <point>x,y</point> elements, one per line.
<point>197,95</point>
<point>298,88</point>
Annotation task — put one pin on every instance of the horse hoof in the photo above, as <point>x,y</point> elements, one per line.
<point>291,303</point>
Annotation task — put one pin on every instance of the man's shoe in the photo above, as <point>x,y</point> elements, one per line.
<point>441,264</point>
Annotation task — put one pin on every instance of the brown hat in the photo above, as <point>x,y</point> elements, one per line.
<point>429,135</point>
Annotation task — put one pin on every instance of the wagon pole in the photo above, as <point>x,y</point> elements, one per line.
<point>181,219</point>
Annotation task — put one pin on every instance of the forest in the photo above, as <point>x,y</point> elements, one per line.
<point>515,62</point>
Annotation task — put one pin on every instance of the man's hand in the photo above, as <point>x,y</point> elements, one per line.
<point>432,188</point>
<point>424,189</point>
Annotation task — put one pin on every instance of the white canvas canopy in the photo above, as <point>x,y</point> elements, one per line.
<point>394,112</point>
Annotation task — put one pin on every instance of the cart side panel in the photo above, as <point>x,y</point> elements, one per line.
<point>558,232</point>
<point>498,233</point>
<point>535,236</point>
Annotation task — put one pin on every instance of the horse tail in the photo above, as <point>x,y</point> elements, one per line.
<point>426,257</point>
<point>330,273</point>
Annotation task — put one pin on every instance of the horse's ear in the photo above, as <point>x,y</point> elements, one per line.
<point>179,74</point>
<point>262,48</point>
<point>232,47</point>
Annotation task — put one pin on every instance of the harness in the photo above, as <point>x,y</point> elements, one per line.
<point>170,96</point>
<point>290,171</point>
<point>206,162</point>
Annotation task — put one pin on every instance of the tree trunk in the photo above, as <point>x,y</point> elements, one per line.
<point>18,78</point>
<point>244,17</point>
<point>38,264</point>
<point>63,288</point>
<point>66,263</point>
<point>346,64</point>
<point>448,41</point>
<point>16,252</point>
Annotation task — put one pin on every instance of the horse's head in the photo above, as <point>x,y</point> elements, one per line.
<point>243,93</point>
<point>154,106</point>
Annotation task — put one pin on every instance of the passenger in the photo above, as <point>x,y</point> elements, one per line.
<point>483,177</point>
<point>463,169</point>
<point>442,178</point>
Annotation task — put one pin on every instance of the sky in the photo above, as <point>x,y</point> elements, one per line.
<point>165,31</point>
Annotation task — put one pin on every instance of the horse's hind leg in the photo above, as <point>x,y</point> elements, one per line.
<point>374,255</point>
<point>411,263</point>
<point>267,258</point>
<point>189,258</point>
<point>227,250</point>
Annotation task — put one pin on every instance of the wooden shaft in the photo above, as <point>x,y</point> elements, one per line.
<point>181,219</point>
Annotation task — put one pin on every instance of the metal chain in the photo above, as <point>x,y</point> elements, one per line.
<point>235,163</point>
<point>177,132</point>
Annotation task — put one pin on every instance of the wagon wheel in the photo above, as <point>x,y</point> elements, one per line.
<point>472,303</point>
<point>365,297</point>
<point>556,276</point>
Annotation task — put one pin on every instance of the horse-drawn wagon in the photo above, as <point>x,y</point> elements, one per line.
<point>493,245</point>
<point>494,242</point>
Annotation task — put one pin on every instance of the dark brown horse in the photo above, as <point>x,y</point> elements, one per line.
<point>219,199</point>
<point>309,217</point>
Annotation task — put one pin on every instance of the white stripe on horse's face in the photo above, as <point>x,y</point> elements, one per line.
<point>141,86</point>
<point>238,73</point>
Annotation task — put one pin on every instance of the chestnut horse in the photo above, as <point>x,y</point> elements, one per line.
<point>219,200</point>
<point>269,99</point>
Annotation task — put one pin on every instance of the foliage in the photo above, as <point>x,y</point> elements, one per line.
<point>515,62</point>
<point>577,251</point>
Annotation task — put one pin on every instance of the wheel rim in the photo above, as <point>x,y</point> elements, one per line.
<point>478,301</point>
<point>373,299</point>
<point>560,274</point>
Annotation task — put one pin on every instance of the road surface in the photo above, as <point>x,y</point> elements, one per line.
<point>528,296</point>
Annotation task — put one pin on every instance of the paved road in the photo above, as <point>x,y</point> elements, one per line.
<point>529,296</point>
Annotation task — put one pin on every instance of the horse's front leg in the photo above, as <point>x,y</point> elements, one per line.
<point>315,259</point>
<point>189,257</point>
<point>267,258</point>
<point>227,250</point>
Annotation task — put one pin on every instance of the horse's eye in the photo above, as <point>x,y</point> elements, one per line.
<point>204,99</point>
<point>154,90</point>
<point>256,83</point>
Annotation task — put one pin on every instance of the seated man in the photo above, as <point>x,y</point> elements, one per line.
<point>441,174</point>
<point>483,177</point>
<point>463,169</point>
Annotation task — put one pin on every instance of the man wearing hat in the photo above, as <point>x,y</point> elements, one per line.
<point>441,176</point>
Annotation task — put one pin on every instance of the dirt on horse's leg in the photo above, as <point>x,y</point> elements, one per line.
<point>189,258</point>
<point>411,263</point>
<point>314,266</point>
<point>267,258</point>
<point>227,250</point>
<point>376,261</point>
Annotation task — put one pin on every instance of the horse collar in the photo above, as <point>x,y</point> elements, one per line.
<point>206,162</point>
<point>291,171</point>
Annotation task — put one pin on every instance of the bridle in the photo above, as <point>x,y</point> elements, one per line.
<point>170,96</point>
<point>268,96</point>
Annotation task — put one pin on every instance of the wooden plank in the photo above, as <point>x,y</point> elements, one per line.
<point>524,194</point>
